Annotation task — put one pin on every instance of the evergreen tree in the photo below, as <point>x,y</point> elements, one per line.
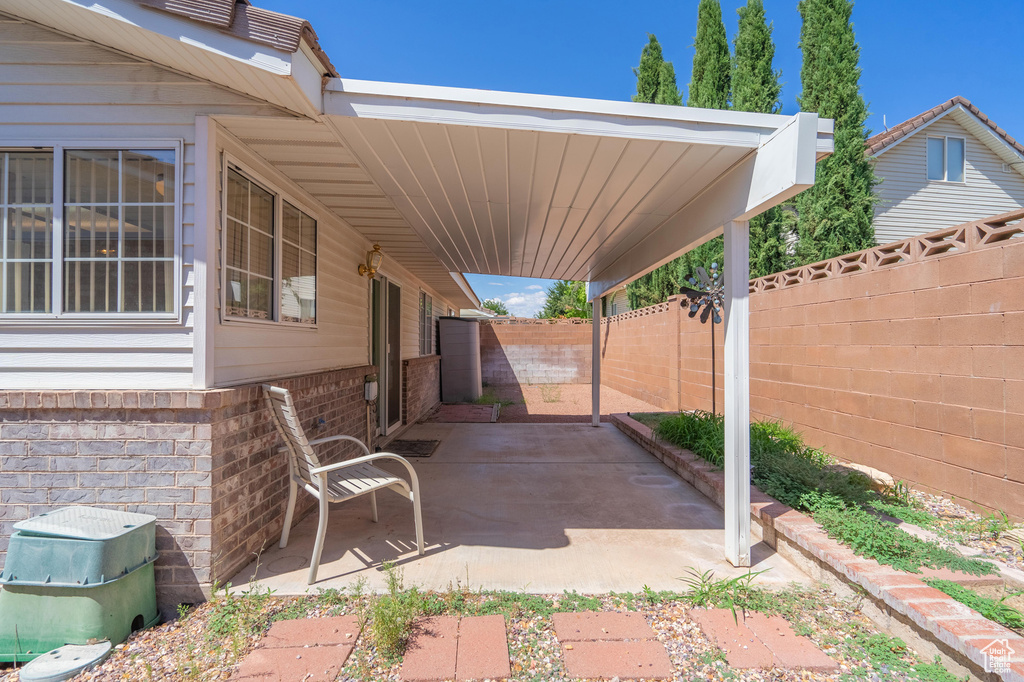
<point>834,216</point>
<point>668,92</point>
<point>656,84</point>
<point>648,74</point>
<point>756,87</point>
<point>709,84</point>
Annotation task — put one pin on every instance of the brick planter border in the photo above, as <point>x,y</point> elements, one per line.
<point>930,616</point>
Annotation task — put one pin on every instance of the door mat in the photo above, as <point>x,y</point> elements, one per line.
<point>412,448</point>
<point>465,414</point>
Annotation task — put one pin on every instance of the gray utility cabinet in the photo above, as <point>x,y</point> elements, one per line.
<point>461,378</point>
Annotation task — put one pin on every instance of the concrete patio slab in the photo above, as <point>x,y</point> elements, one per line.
<point>530,507</point>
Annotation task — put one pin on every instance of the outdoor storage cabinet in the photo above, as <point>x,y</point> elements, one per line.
<point>74,575</point>
<point>461,375</point>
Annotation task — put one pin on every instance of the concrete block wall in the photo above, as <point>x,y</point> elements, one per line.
<point>421,387</point>
<point>535,352</point>
<point>205,463</point>
<point>640,353</point>
<point>908,358</point>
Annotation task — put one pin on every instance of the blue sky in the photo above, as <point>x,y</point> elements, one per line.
<point>914,54</point>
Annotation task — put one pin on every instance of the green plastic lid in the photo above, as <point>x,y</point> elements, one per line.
<point>84,523</point>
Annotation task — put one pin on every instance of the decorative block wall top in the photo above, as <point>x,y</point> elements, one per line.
<point>953,240</point>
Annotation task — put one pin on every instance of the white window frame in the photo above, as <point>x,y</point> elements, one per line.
<point>232,162</point>
<point>426,323</point>
<point>57,314</point>
<point>945,156</point>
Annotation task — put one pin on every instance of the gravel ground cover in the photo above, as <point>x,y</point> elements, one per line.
<point>956,523</point>
<point>207,642</point>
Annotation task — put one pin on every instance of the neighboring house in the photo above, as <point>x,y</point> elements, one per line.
<point>190,201</point>
<point>617,302</point>
<point>947,166</point>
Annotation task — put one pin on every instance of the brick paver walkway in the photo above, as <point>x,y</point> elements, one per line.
<point>450,648</point>
<point>595,645</point>
<point>308,649</point>
<point>604,646</point>
<point>753,640</point>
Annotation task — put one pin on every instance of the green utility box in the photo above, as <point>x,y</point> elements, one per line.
<point>76,575</point>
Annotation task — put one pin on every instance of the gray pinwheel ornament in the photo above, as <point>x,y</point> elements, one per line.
<point>706,296</point>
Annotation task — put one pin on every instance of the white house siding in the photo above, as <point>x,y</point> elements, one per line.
<point>911,204</point>
<point>253,351</point>
<point>58,89</point>
<point>618,303</point>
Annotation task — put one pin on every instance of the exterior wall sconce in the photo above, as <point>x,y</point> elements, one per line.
<point>373,261</point>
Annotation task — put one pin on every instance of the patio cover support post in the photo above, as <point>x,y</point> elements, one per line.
<point>737,393</point>
<point>595,372</point>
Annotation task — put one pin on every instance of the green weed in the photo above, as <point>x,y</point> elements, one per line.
<point>392,614</point>
<point>993,609</point>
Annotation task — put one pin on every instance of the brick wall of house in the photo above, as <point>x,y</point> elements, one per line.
<point>908,358</point>
<point>535,352</point>
<point>421,387</point>
<point>205,463</point>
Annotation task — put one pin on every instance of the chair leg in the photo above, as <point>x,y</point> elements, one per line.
<point>318,548</point>
<point>289,513</point>
<point>373,505</point>
<point>418,516</point>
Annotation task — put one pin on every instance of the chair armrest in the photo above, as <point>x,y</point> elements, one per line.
<point>367,458</point>
<point>329,439</point>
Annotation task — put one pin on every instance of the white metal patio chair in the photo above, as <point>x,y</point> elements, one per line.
<point>334,482</point>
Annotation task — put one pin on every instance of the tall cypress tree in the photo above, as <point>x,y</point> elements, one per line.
<point>710,85</point>
<point>756,87</point>
<point>655,84</point>
<point>834,216</point>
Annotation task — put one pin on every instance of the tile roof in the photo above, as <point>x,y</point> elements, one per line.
<point>241,19</point>
<point>882,140</point>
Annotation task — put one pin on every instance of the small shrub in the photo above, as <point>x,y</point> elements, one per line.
<point>725,593</point>
<point>551,393</point>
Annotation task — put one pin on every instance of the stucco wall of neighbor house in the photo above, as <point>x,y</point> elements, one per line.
<point>205,463</point>
<point>59,89</point>
<point>912,362</point>
<point>910,204</point>
<point>535,352</point>
<point>421,387</point>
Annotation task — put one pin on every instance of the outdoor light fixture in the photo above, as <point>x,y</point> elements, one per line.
<point>373,261</point>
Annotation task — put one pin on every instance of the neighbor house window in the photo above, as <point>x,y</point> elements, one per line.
<point>426,324</point>
<point>946,158</point>
<point>269,255</point>
<point>117,247</point>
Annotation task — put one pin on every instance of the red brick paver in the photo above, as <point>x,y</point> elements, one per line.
<point>312,632</point>
<point>789,650</point>
<point>591,625</point>
<point>432,650</point>
<point>306,649</point>
<point>742,647</point>
<point>293,664</point>
<point>607,660</point>
<point>483,649</point>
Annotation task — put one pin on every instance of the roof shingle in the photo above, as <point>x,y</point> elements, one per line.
<point>877,143</point>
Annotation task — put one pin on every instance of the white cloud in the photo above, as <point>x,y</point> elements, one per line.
<point>524,305</point>
<point>535,286</point>
<point>495,284</point>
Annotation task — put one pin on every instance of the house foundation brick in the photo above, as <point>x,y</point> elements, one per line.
<point>421,387</point>
<point>205,463</point>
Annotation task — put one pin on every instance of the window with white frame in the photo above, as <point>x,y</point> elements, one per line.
<point>426,324</point>
<point>269,255</point>
<point>946,158</point>
<point>116,251</point>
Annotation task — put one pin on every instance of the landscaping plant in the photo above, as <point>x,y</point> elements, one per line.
<point>996,610</point>
<point>841,500</point>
